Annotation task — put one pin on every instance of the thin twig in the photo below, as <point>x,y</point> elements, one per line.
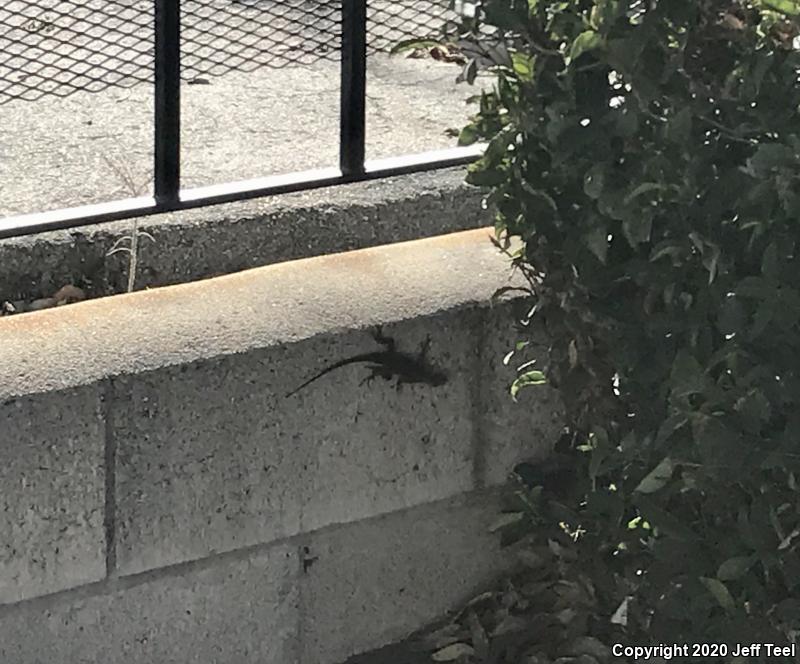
<point>123,172</point>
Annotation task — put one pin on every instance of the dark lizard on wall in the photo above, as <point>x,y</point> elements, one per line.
<point>389,363</point>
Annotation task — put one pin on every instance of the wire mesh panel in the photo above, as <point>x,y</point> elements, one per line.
<point>225,35</point>
<point>57,47</point>
<point>391,22</point>
<point>53,47</point>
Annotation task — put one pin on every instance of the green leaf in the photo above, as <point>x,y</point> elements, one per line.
<point>523,65</point>
<point>594,180</point>
<point>508,89</point>
<point>501,14</point>
<point>788,7</point>
<point>412,44</point>
<point>735,568</point>
<point>506,520</point>
<point>603,12</point>
<point>468,135</point>
<point>674,250</point>
<point>483,174</point>
<point>711,261</point>
<point>497,150</point>
<point>679,129</point>
<point>771,156</point>
<point>636,227</point>
<point>623,53</point>
<point>643,189</point>
<point>720,592</point>
<point>721,447</point>
<point>668,427</point>
<point>755,409</point>
<point>657,477</point>
<point>586,41</point>
<point>762,318</point>
<point>542,195</point>
<point>731,318</point>
<point>754,528</point>
<point>600,452</point>
<point>769,261</point>
<point>755,287</point>
<point>686,376</point>
<point>597,241</point>
<point>527,379</point>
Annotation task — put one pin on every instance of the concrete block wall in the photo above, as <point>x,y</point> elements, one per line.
<point>162,500</point>
<point>52,497</point>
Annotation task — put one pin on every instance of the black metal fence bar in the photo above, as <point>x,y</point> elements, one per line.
<point>353,90</point>
<point>167,134</point>
<point>40,222</point>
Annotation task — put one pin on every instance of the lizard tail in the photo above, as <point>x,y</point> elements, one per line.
<point>311,380</point>
<point>300,387</point>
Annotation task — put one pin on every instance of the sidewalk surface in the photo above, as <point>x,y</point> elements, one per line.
<point>90,147</point>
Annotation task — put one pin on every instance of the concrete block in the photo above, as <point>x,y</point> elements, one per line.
<point>511,432</point>
<point>51,492</point>
<point>212,456</point>
<point>373,582</point>
<point>235,611</point>
<point>202,466</point>
<point>381,447</point>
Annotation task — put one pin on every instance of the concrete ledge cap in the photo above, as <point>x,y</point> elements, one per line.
<point>281,303</point>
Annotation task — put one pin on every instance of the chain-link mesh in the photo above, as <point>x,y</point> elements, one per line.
<point>57,47</point>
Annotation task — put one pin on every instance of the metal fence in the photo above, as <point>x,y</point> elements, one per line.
<point>59,47</point>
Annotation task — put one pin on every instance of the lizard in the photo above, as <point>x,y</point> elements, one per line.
<point>387,364</point>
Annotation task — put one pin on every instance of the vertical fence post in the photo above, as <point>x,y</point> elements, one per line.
<point>167,76</point>
<point>352,120</point>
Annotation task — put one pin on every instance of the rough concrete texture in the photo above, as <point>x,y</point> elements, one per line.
<point>312,600</point>
<point>209,458</point>
<point>214,457</point>
<point>207,242</point>
<point>51,493</point>
<point>377,581</point>
<point>270,306</point>
<point>236,610</point>
<point>95,147</point>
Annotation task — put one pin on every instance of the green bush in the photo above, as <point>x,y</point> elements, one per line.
<point>647,153</point>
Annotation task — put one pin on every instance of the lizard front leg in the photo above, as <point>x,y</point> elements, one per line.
<point>422,355</point>
<point>385,341</point>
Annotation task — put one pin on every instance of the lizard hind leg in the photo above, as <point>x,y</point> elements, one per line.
<point>377,371</point>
